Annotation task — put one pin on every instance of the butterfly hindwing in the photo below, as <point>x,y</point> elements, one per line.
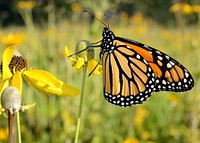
<point>175,77</point>
<point>170,74</point>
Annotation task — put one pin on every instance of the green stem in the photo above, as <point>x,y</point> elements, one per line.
<point>18,128</point>
<point>81,104</point>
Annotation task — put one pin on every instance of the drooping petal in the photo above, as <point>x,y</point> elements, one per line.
<point>3,85</point>
<point>94,67</point>
<point>1,110</point>
<point>7,56</point>
<point>26,107</point>
<point>80,62</point>
<point>17,81</point>
<point>48,83</point>
<point>67,54</point>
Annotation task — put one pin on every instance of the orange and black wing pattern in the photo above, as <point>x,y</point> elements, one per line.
<point>132,71</point>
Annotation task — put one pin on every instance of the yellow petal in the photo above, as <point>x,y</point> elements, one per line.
<point>80,62</point>
<point>2,110</point>
<point>196,8</point>
<point>48,83</point>
<point>26,4</point>
<point>94,67</point>
<point>3,85</point>
<point>67,54</point>
<point>13,39</point>
<point>7,56</point>
<point>186,9</point>
<point>71,59</point>
<point>26,107</point>
<point>17,81</point>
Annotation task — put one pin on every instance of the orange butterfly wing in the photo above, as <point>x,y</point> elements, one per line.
<point>128,79</point>
<point>170,74</point>
<point>132,71</point>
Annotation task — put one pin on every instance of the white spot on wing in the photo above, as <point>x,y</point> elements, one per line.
<point>129,47</point>
<point>172,63</point>
<point>167,57</point>
<point>158,52</point>
<point>138,56</point>
<point>160,58</point>
<point>164,82</point>
<point>169,65</point>
<point>186,74</point>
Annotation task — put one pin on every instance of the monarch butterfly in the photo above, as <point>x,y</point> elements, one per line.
<point>132,71</point>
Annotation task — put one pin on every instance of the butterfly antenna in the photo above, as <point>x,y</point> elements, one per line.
<point>107,16</point>
<point>95,17</point>
<point>78,52</point>
<point>93,46</point>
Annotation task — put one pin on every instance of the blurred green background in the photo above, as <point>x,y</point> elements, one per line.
<point>41,29</point>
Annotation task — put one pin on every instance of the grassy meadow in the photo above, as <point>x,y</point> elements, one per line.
<point>167,117</point>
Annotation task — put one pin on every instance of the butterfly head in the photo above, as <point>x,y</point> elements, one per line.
<point>107,41</point>
<point>107,33</point>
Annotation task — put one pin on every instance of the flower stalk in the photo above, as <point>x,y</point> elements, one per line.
<point>10,126</point>
<point>18,129</point>
<point>84,61</point>
<point>81,103</point>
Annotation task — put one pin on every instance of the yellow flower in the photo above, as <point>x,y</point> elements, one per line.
<point>145,135</point>
<point>137,18</point>
<point>79,62</point>
<point>26,4</point>
<point>3,134</point>
<point>131,140</point>
<point>75,7</point>
<point>174,99</point>
<point>14,68</point>
<point>183,7</point>
<point>196,8</point>
<point>140,115</point>
<point>13,39</point>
